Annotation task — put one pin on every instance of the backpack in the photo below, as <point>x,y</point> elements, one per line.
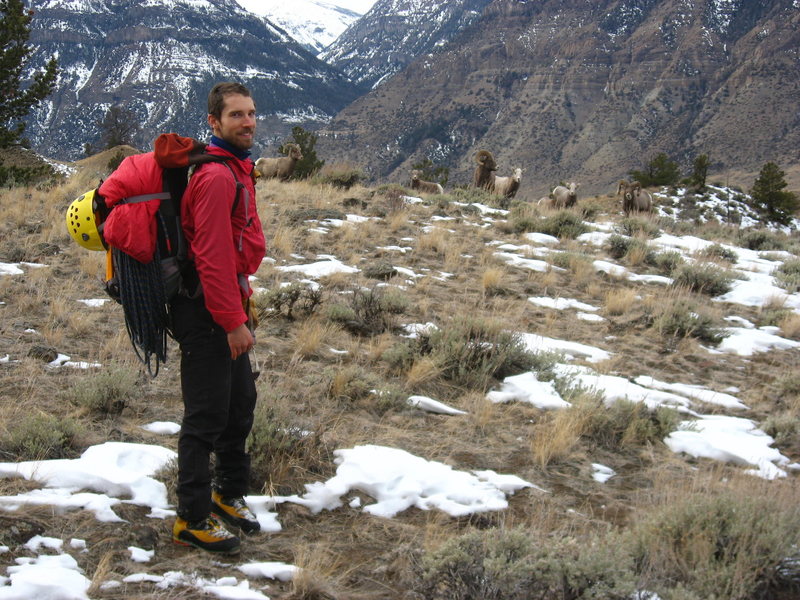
<point>134,215</point>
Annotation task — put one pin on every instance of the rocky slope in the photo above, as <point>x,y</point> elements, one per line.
<point>395,32</point>
<point>568,89</point>
<point>159,59</point>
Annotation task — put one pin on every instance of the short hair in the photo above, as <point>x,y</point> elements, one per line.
<point>216,97</point>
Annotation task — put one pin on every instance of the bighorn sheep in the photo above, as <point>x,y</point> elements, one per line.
<point>564,197</point>
<point>634,197</point>
<point>282,168</point>
<point>507,186</point>
<point>546,202</point>
<point>426,187</point>
<point>483,177</point>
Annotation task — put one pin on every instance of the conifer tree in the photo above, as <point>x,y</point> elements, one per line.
<point>309,164</point>
<point>770,198</point>
<point>16,100</point>
<point>699,172</point>
<point>659,171</point>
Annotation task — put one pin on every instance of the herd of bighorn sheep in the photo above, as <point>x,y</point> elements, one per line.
<point>634,198</point>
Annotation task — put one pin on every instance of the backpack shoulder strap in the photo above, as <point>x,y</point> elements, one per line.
<point>239,189</point>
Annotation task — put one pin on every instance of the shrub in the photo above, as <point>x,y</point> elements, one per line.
<point>761,239</point>
<point>729,546</point>
<point>679,319</point>
<point>625,423</point>
<point>788,275</point>
<point>620,246</point>
<point>286,299</point>
<point>704,279</point>
<point>721,252</point>
<point>278,446</point>
<point>40,436</point>
<point>632,226</point>
<point>339,176</point>
<point>370,312</point>
<point>668,262</point>
<point>350,383</point>
<point>564,224</point>
<point>784,428</point>
<point>468,351</point>
<point>107,392</point>
<point>516,565</point>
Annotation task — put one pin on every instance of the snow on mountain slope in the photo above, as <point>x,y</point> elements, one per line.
<point>312,23</point>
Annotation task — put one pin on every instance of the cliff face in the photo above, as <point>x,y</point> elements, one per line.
<point>395,32</point>
<point>159,60</point>
<point>572,89</point>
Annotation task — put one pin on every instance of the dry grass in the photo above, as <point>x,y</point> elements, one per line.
<point>619,301</point>
<point>345,553</point>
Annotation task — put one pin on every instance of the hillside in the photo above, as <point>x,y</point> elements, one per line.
<point>158,60</point>
<point>588,91</point>
<point>625,391</point>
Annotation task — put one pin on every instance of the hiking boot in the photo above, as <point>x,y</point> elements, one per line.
<point>207,534</point>
<point>234,512</point>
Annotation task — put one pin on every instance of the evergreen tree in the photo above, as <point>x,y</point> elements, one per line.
<point>699,172</point>
<point>659,171</point>
<point>16,101</point>
<point>430,173</point>
<point>770,198</point>
<point>309,164</point>
<point>119,126</point>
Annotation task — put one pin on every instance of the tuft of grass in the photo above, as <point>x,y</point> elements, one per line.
<point>619,301</point>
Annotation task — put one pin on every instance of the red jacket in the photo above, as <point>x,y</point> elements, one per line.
<point>132,227</point>
<point>225,247</point>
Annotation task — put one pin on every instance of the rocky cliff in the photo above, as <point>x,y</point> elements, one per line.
<point>571,89</point>
<point>158,59</point>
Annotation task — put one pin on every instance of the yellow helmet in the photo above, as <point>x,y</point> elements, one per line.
<point>82,224</point>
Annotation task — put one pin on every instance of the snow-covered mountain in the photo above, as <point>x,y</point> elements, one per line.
<point>313,23</point>
<point>159,58</point>
<point>396,32</point>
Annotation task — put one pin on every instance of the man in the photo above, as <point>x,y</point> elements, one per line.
<point>226,244</point>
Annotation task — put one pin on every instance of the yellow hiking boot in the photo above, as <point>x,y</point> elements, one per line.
<point>234,512</point>
<point>207,534</point>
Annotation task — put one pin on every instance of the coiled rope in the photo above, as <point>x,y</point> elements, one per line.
<point>144,304</point>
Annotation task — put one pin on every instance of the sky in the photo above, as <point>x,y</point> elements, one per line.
<point>715,425</point>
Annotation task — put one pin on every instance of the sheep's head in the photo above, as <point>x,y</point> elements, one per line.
<point>293,151</point>
<point>517,174</point>
<point>485,159</point>
<point>415,175</point>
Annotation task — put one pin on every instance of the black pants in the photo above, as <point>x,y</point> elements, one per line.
<point>219,397</point>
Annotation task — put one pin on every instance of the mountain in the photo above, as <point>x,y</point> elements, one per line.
<point>159,58</point>
<point>569,89</point>
<point>314,24</point>
<point>395,32</point>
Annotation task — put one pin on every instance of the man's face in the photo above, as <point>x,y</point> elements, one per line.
<point>237,124</point>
